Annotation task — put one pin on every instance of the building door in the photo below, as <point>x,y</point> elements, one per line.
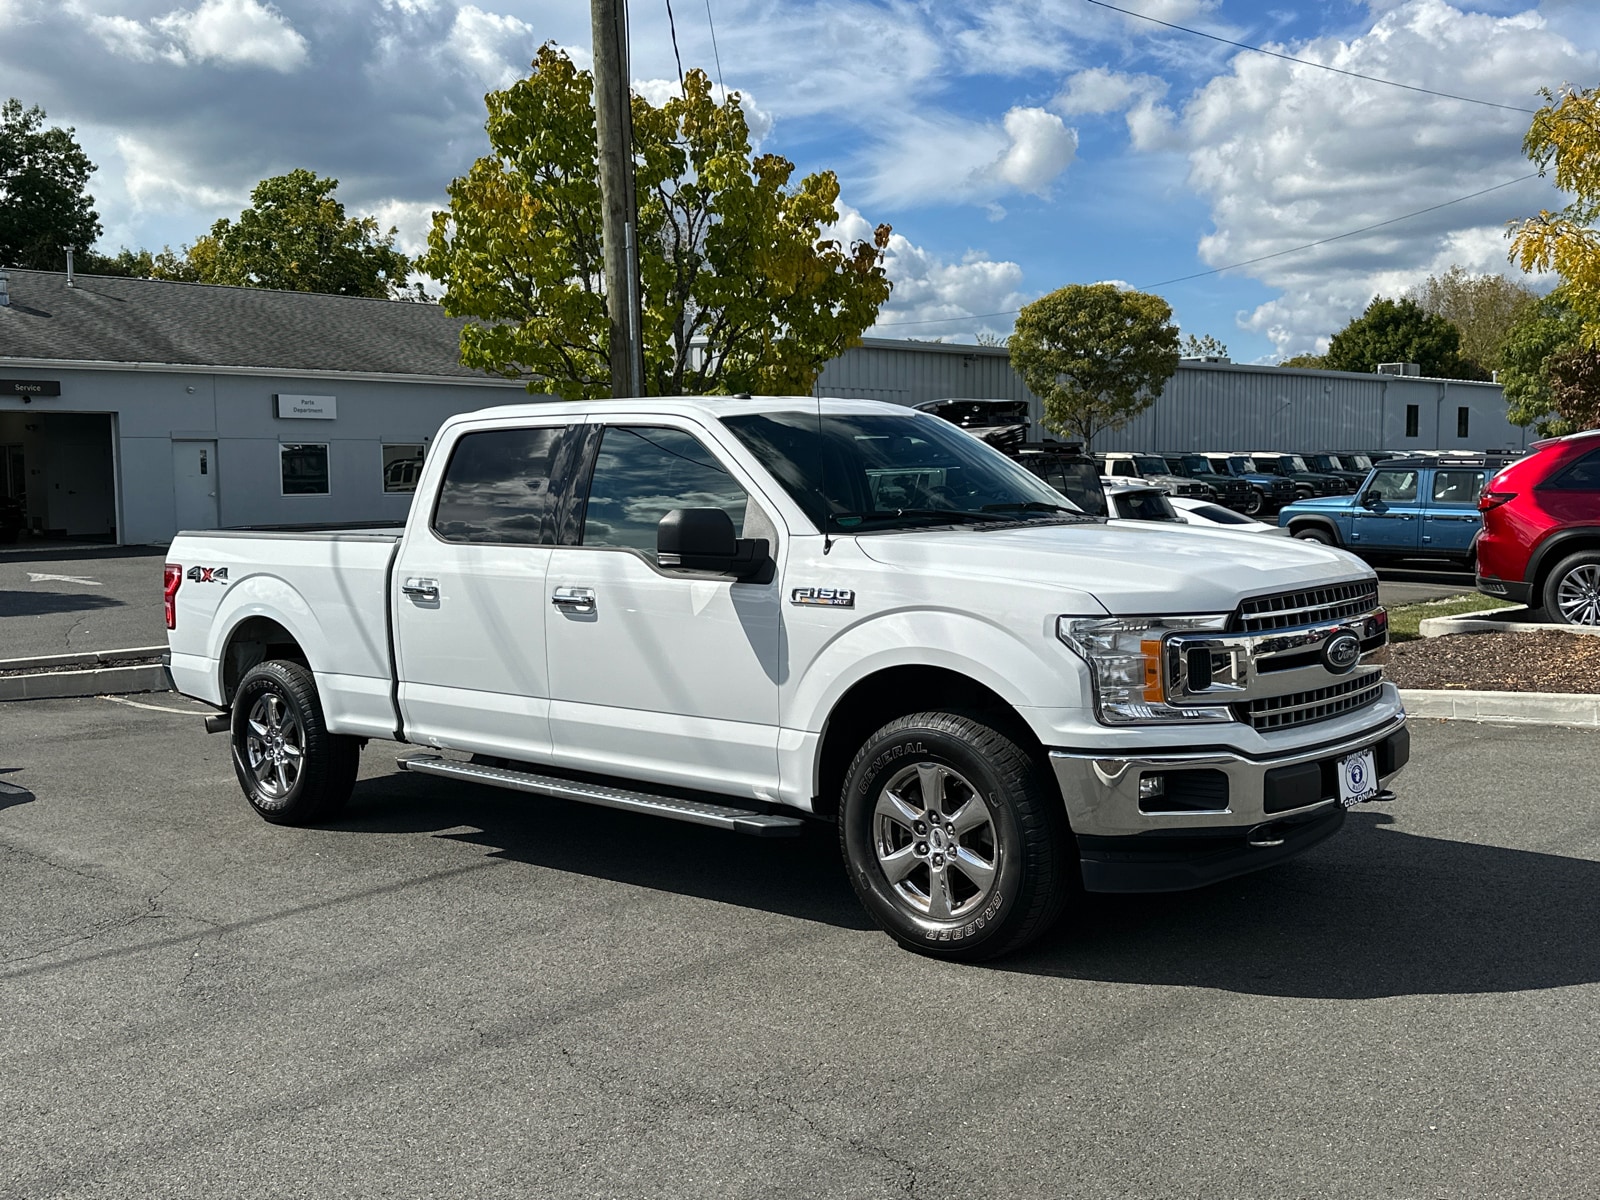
<point>194,484</point>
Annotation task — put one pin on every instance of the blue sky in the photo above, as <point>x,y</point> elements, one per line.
<point>1014,145</point>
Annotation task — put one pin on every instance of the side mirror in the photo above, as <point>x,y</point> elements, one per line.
<point>1372,499</point>
<point>701,539</point>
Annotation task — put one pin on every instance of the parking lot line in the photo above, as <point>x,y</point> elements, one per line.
<point>182,712</point>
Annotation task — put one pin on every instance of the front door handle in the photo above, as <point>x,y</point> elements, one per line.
<point>573,599</point>
<point>421,589</point>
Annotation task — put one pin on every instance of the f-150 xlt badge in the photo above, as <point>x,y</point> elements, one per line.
<point>208,574</point>
<point>815,597</point>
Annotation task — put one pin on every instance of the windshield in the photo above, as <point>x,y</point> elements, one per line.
<point>1293,462</point>
<point>1240,464</point>
<point>871,472</point>
<point>1149,464</point>
<point>1195,464</point>
<point>1145,505</point>
<point>1324,462</point>
<point>1358,462</point>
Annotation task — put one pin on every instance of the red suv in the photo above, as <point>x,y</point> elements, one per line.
<point>1540,543</point>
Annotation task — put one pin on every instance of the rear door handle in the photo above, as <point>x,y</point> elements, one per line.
<point>573,599</point>
<point>421,589</point>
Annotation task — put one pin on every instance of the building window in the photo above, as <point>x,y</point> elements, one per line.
<point>402,463</point>
<point>305,468</point>
<point>1413,419</point>
<point>1463,416</point>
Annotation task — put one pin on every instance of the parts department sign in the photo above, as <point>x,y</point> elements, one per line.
<point>306,408</point>
<point>30,387</point>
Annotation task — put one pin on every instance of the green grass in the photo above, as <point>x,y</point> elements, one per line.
<point>1403,621</point>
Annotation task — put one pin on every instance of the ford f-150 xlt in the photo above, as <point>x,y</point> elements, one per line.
<point>751,613</point>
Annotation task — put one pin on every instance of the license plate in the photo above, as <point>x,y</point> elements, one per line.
<point>1358,779</point>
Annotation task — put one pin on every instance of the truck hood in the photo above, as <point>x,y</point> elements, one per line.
<point>1321,504</point>
<point>1154,569</point>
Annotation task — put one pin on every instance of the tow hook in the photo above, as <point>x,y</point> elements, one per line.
<point>220,722</point>
<point>1264,837</point>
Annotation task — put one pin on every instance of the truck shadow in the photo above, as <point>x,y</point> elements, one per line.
<point>38,604</point>
<point>1372,912</point>
<point>799,877</point>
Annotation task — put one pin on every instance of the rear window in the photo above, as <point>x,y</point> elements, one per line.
<point>1222,516</point>
<point>497,487</point>
<point>1581,476</point>
<point>1457,487</point>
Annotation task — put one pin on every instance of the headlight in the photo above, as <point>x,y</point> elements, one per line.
<point>1128,665</point>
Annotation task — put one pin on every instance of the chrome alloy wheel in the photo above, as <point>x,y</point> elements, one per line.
<point>935,840</point>
<point>1578,595</point>
<point>274,746</point>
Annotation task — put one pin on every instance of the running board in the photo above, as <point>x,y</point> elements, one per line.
<point>698,812</point>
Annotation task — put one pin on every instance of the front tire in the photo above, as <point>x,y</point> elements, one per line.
<point>293,771</point>
<point>1311,533</point>
<point>954,839</point>
<point>1572,592</point>
<point>1254,503</point>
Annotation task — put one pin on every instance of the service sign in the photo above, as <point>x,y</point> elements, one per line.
<point>30,387</point>
<point>306,408</point>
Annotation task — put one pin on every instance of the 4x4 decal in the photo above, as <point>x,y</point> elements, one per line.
<point>208,574</point>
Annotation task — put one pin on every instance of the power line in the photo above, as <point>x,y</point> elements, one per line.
<point>1251,261</point>
<point>1352,233</point>
<point>1306,62</point>
<point>673,26</point>
<point>715,53</point>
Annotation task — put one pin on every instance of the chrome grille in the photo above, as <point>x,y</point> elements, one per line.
<point>1288,609</point>
<point>1305,708</point>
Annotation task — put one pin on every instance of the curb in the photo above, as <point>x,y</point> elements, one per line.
<point>101,675</point>
<point>1511,708</point>
<point>1495,620</point>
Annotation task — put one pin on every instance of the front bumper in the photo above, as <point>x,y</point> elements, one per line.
<point>1224,813</point>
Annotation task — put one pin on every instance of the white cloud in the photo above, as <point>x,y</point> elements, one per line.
<point>492,48</point>
<point>1100,91</point>
<point>238,32</point>
<point>942,158</point>
<point>1287,154</point>
<point>411,219</point>
<point>936,298</point>
<point>156,181</point>
<point>126,37</point>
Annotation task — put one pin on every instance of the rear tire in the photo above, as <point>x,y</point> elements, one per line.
<point>1311,533</point>
<point>955,840</point>
<point>293,771</point>
<point>1572,591</point>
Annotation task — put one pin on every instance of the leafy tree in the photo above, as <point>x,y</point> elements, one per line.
<point>136,264</point>
<point>1482,307</point>
<point>1547,330</point>
<point>986,338</point>
<point>1312,362</point>
<point>1399,331</point>
<point>742,291</point>
<point>1204,346</point>
<point>1565,134</point>
<point>1575,388</point>
<point>43,204</point>
<point>1097,356</point>
<point>296,237</point>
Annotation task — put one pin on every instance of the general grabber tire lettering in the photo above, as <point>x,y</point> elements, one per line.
<point>293,771</point>
<point>953,837</point>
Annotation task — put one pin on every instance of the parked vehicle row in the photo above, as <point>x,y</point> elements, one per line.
<point>1420,507</point>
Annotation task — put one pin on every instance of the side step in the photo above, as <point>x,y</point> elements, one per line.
<point>698,812</point>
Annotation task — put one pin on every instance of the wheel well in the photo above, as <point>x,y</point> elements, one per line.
<point>1322,523</point>
<point>1557,554</point>
<point>878,699</point>
<point>256,640</point>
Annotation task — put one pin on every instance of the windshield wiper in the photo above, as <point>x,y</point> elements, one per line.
<point>954,516</point>
<point>1033,506</point>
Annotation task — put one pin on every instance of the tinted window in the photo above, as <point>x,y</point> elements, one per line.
<point>1581,476</point>
<point>1222,516</point>
<point>497,487</point>
<point>1079,482</point>
<point>1242,465</point>
<point>305,468</point>
<point>642,473</point>
<point>1457,487</point>
<point>1145,506</point>
<point>1149,464</point>
<point>872,472</point>
<point>1358,462</point>
<point>1393,486</point>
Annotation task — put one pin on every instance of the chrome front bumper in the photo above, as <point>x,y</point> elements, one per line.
<point>1245,825</point>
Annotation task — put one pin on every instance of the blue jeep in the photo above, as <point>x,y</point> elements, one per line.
<point>1406,508</point>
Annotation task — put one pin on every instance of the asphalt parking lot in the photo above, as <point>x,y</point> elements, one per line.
<point>456,991</point>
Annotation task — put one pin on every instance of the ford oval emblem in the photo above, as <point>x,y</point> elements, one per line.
<point>1341,652</point>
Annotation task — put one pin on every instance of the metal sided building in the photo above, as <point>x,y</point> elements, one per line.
<point>132,408</point>
<point>1210,405</point>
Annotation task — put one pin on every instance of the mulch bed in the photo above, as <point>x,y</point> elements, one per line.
<point>1542,661</point>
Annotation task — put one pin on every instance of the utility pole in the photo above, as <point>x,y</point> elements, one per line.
<point>614,126</point>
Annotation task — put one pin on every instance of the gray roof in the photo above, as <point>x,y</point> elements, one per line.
<point>111,319</point>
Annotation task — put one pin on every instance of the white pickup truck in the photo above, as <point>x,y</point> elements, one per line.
<point>751,613</point>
